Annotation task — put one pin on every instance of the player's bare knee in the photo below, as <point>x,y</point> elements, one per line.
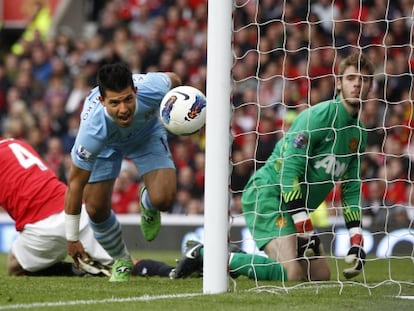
<point>98,214</point>
<point>92,212</point>
<point>163,201</point>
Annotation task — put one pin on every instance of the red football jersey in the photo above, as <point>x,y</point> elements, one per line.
<point>29,190</point>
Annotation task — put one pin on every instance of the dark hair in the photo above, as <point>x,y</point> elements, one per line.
<point>114,77</point>
<point>358,60</point>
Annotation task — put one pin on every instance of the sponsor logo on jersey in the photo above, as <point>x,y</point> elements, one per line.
<point>82,153</point>
<point>331,166</point>
<point>353,144</point>
<point>196,108</point>
<point>281,222</point>
<point>300,141</point>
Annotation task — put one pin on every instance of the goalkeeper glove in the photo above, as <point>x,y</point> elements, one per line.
<point>308,242</point>
<point>308,247</point>
<point>356,254</point>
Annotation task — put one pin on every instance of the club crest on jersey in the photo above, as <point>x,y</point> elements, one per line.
<point>196,108</point>
<point>82,153</point>
<point>353,144</point>
<point>300,141</point>
<point>281,222</point>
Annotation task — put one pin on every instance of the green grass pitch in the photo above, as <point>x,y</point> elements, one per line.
<point>388,284</point>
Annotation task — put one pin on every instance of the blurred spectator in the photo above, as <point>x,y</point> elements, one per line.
<point>394,176</point>
<point>141,22</point>
<point>57,115</point>
<point>77,94</point>
<point>40,19</point>
<point>4,87</point>
<point>11,65</point>
<point>54,154</point>
<point>19,120</point>
<point>373,205</point>
<point>14,128</point>
<point>186,181</point>
<point>64,168</point>
<point>42,64</point>
<point>182,200</point>
<point>44,122</point>
<point>28,86</point>
<point>122,41</point>
<point>188,195</point>
<point>199,173</point>
<point>268,136</point>
<point>243,121</point>
<point>36,139</point>
<point>326,12</point>
<point>185,190</point>
<point>108,20</point>
<point>235,205</point>
<point>183,151</point>
<point>194,207</point>
<point>68,138</point>
<point>241,171</point>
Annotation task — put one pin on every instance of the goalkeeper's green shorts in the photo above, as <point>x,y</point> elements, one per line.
<point>264,215</point>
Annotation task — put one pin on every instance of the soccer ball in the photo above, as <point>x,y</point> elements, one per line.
<point>183,110</point>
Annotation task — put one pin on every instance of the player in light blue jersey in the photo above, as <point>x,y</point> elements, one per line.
<point>120,119</point>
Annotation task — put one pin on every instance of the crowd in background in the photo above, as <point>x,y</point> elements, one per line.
<point>285,57</point>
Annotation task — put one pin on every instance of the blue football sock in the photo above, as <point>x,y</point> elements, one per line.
<point>146,202</point>
<point>109,235</point>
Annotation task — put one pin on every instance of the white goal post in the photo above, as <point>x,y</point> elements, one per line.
<point>219,62</point>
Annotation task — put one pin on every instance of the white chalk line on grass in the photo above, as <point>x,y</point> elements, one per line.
<point>93,302</point>
<point>405,297</point>
<point>127,299</point>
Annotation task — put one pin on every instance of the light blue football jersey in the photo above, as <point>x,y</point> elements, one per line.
<point>100,137</point>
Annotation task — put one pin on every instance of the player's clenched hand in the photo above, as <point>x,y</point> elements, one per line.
<point>356,255</point>
<point>76,251</point>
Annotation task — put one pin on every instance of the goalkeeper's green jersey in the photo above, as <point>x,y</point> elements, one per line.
<point>322,147</point>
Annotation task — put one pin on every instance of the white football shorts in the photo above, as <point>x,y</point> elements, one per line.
<point>42,244</point>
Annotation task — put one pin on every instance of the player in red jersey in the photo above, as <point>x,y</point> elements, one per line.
<point>34,197</point>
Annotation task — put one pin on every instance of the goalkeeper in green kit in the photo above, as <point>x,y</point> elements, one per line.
<point>322,147</point>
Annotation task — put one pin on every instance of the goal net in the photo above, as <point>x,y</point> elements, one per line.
<point>285,56</point>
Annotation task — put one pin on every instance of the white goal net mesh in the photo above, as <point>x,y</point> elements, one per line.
<point>285,56</point>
